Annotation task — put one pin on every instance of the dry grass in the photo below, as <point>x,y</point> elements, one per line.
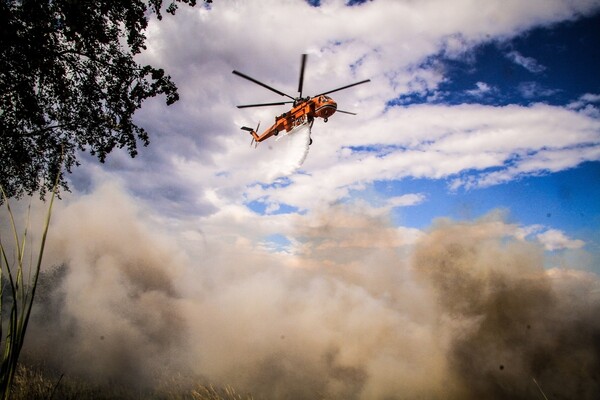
<point>211,393</point>
<point>33,383</point>
<point>22,270</point>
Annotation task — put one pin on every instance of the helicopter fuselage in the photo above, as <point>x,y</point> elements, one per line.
<point>304,111</point>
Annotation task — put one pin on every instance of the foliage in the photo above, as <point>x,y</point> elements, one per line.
<point>69,82</point>
<point>34,382</point>
<point>22,282</point>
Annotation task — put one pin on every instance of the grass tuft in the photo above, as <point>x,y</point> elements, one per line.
<point>212,393</point>
<point>35,383</point>
<point>22,273</point>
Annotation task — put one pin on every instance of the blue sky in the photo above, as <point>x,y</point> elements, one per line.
<point>553,65</point>
<point>470,109</point>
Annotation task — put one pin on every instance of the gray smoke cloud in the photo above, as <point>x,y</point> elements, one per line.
<point>516,323</point>
<point>468,312</point>
<point>112,312</point>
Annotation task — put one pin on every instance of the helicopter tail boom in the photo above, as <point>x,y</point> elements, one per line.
<point>253,133</point>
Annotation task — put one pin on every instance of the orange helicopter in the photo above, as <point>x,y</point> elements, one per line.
<point>304,109</point>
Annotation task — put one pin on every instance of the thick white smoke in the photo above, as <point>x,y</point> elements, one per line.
<point>469,313</point>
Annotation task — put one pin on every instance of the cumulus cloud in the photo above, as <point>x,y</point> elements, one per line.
<point>553,239</point>
<point>481,89</point>
<point>587,104</point>
<point>198,160</point>
<point>406,200</point>
<point>530,90</point>
<point>528,63</point>
<point>495,144</point>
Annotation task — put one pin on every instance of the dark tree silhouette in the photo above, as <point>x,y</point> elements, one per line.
<point>69,83</point>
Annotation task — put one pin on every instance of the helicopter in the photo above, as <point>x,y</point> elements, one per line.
<point>304,109</point>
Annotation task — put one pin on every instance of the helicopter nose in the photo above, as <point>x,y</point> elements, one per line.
<point>327,109</point>
<point>330,109</point>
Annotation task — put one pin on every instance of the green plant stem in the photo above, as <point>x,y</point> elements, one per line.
<point>23,294</point>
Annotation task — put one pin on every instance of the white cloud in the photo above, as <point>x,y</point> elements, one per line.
<point>480,90</point>
<point>554,239</point>
<point>531,90</point>
<point>551,239</point>
<point>493,144</point>
<point>528,63</point>
<point>199,162</point>
<point>585,105</point>
<point>405,200</point>
<point>591,98</point>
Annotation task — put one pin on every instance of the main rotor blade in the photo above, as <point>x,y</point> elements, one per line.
<point>344,87</point>
<point>264,104</point>
<point>346,112</point>
<point>301,80</point>
<point>261,84</point>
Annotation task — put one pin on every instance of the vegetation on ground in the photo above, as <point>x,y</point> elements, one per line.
<point>33,383</point>
<point>22,270</point>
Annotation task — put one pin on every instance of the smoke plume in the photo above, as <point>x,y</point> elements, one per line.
<point>515,325</point>
<point>356,312</point>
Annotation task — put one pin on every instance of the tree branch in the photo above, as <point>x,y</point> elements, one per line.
<point>40,132</point>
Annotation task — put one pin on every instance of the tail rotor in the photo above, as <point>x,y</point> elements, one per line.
<point>253,133</point>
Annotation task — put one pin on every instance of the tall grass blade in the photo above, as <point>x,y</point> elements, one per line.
<point>22,292</point>
<point>538,386</point>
